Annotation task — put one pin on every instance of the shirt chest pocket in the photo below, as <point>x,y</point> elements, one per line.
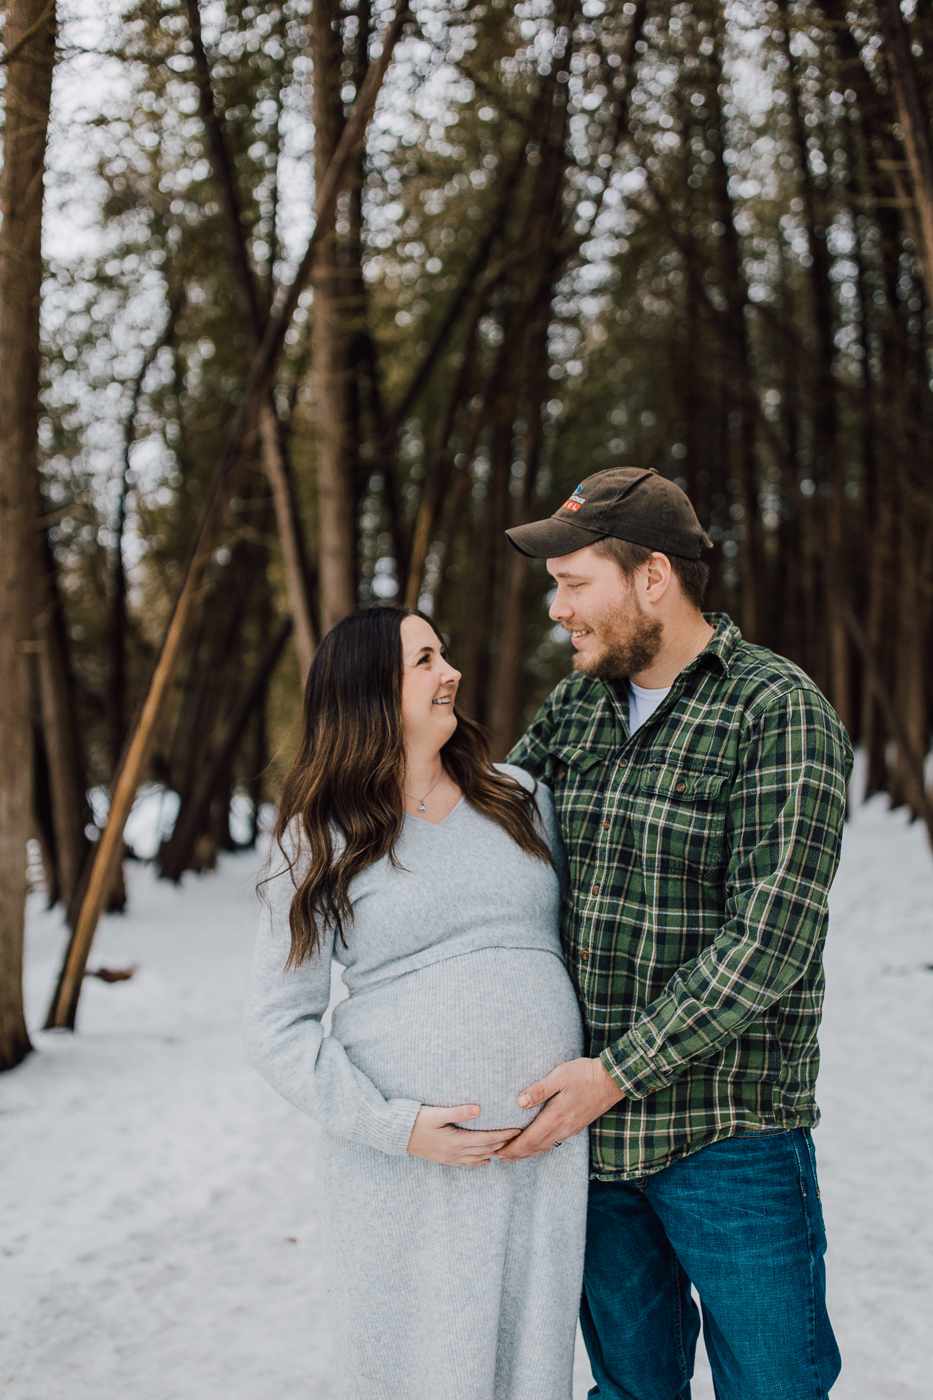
<point>576,775</point>
<point>579,779</point>
<point>680,817</point>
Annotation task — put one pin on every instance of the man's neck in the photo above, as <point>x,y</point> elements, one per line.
<point>684,638</point>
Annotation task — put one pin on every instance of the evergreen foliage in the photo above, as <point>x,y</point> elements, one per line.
<point>682,236</point>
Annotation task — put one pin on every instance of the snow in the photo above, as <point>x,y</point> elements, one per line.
<point>157,1221</point>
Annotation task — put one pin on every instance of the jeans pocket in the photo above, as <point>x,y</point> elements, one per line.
<point>811,1158</point>
<point>806,1175</point>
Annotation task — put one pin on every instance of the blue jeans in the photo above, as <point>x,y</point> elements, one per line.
<point>741,1220</point>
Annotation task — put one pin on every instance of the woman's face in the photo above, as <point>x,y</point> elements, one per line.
<point>429,685</point>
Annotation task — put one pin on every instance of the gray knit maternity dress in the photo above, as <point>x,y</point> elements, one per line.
<point>446,1283</point>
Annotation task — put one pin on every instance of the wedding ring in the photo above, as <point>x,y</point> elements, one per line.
<point>557,1144</point>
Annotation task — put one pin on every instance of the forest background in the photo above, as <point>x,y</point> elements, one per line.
<point>545,238</point>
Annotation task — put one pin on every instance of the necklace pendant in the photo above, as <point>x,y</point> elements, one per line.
<point>421,806</point>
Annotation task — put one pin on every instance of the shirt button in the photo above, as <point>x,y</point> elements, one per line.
<point>681,787</point>
<point>561,776</point>
<point>623,762</point>
<point>596,889</point>
<point>606,826</point>
<point>584,957</point>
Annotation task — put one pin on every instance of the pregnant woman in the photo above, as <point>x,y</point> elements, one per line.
<point>429,876</point>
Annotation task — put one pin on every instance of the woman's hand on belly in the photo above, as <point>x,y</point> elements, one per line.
<point>436,1138</point>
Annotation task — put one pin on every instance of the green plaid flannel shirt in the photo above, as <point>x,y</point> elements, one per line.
<point>701,850</point>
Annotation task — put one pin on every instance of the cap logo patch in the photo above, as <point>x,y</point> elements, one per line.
<point>575,501</point>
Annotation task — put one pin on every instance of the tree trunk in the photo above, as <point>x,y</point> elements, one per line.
<point>116,698</point>
<point>194,817</point>
<point>336,515</point>
<point>911,630</point>
<point>291,538</point>
<point>506,701</point>
<point>912,757</point>
<point>29,36</point>
<point>217,668</point>
<point>739,349</point>
<point>254,314</point>
<point>62,741</point>
<point>915,125</point>
<point>440,466</point>
<point>492,520</point>
<point>828,468</point>
<point>542,236</point>
<point>887,563</point>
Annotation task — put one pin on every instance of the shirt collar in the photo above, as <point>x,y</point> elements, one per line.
<point>718,652</point>
<point>721,645</point>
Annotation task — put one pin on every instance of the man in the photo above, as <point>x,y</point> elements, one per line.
<point>700,784</point>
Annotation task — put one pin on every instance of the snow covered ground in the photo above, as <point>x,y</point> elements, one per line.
<point>158,1238</point>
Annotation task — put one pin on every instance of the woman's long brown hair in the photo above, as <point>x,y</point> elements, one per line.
<point>342,799</point>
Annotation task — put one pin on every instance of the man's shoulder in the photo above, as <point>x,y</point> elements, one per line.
<point>576,689</point>
<point>763,677</point>
<point>576,700</point>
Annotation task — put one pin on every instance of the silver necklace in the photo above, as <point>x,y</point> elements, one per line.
<point>421,806</point>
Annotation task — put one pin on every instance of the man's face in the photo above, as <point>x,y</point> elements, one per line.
<point>612,633</point>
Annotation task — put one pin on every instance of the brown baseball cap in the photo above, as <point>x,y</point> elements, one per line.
<point>630,503</point>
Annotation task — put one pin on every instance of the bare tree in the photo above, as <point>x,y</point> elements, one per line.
<point>254,316</point>
<point>336,524</point>
<point>30,38</point>
<point>915,124</point>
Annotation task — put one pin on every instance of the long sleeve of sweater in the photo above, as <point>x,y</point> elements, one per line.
<point>285,1040</point>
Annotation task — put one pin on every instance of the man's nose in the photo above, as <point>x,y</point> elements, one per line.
<point>560,608</point>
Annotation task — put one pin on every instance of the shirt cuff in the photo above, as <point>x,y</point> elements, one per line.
<point>629,1065</point>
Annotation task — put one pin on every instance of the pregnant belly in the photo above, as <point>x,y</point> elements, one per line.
<point>478,1028</point>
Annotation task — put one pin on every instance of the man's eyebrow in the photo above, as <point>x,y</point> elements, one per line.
<point>566,573</point>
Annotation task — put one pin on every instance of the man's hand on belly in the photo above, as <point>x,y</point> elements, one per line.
<point>575,1094</point>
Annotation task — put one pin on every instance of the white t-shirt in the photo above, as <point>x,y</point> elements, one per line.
<point>642,704</point>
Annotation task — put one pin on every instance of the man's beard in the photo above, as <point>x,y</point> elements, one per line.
<point>631,641</point>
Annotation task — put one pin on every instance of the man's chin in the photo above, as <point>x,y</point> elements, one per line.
<point>599,666</point>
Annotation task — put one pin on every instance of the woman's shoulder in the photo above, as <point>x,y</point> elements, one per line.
<point>530,784</point>
<point>546,820</point>
<point>511,770</point>
<point>291,848</point>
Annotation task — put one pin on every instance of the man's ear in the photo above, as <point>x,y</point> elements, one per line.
<point>658,575</point>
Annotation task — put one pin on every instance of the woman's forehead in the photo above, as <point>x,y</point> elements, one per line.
<point>418,634</point>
